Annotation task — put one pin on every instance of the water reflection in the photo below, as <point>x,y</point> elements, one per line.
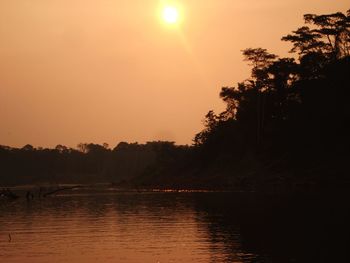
<point>173,227</point>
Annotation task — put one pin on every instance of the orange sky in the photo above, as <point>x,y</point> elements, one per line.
<point>99,71</point>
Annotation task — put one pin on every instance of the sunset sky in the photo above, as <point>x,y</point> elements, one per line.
<point>100,71</point>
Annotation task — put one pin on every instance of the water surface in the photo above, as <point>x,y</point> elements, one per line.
<point>173,227</point>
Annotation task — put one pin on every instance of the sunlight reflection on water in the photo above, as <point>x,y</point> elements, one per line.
<point>108,226</point>
<point>115,227</point>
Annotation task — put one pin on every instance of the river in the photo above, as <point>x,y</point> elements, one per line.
<point>109,226</point>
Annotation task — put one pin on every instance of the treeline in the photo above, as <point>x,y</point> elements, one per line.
<point>287,124</point>
<point>89,163</point>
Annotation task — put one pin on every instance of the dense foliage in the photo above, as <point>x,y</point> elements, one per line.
<point>292,115</point>
<point>90,163</point>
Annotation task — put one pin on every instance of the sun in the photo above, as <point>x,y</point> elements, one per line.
<point>170,14</point>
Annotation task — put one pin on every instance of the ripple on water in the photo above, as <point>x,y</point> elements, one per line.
<point>157,227</point>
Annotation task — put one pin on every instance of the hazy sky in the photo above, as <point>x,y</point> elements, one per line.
<point>99,71</point>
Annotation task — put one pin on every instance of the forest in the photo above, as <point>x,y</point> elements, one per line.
<point>285,127</point>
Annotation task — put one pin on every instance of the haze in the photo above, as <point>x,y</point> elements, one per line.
<point>76,71</point>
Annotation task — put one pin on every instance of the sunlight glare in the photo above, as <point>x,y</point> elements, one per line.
<point>170,14</point>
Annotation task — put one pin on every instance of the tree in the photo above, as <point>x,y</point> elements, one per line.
<point>28,147</point>
<point>329,35</point>
<point>299,105</point>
